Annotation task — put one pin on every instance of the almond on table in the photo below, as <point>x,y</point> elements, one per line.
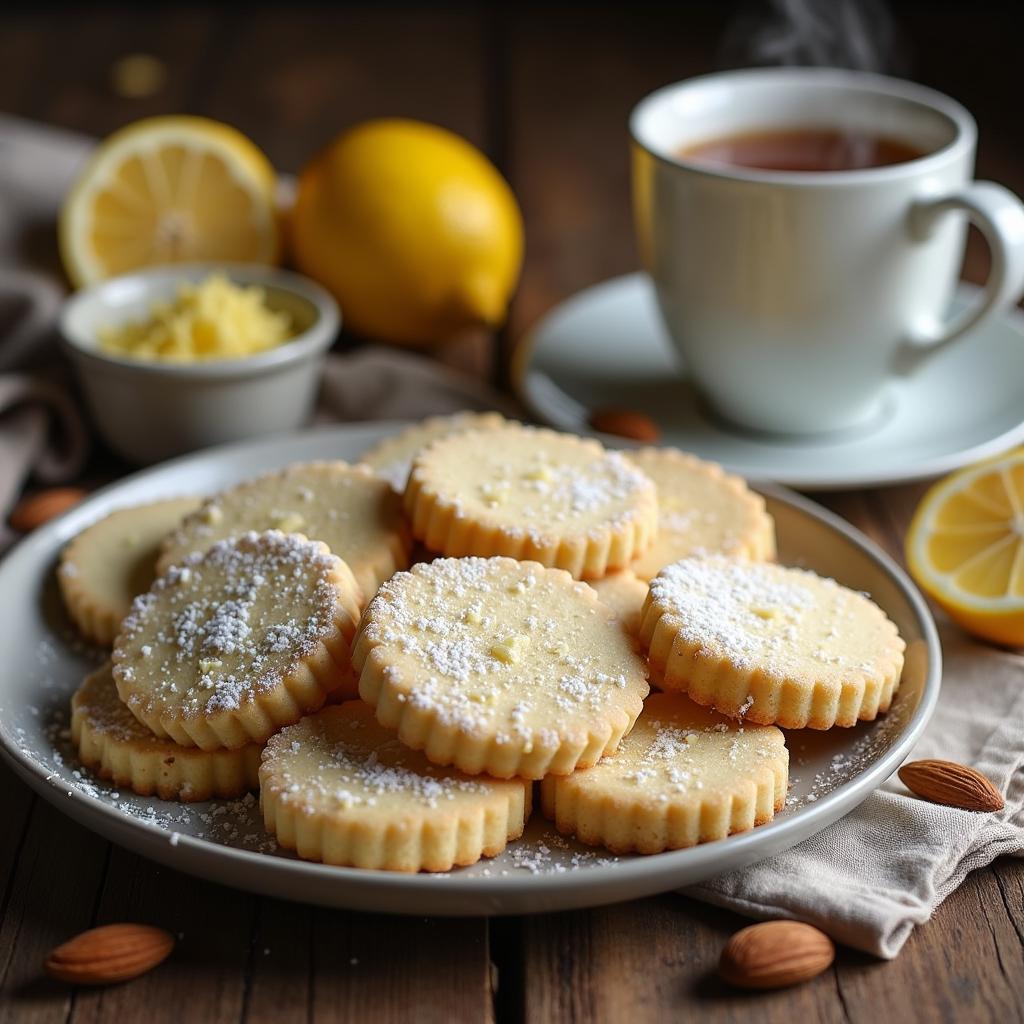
<point>637,426</point>
<point>30,513</point>
<point>775,954</point>
<point>109,954</point>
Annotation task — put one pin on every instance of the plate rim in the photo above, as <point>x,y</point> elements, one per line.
<point>926,469</point>
<point>640,876</point>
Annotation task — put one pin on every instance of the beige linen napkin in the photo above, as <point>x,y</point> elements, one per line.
<point>868,879</point>
<point>871,877</point>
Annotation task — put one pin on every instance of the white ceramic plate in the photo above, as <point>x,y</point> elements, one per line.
<point>607,346</point>
<point>831,772</point>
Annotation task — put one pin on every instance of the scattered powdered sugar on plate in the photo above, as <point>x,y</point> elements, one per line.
<point>542,859</point>
<point>234,823</point>
<point>859,748</point>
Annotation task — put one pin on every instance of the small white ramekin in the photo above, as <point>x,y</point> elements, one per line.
<point>147,410</point>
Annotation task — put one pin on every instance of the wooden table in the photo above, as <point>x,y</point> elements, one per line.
<point>546,93</point>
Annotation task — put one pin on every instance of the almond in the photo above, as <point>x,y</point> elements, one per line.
<point>952,784</point>
<point>114,952</point>
<point>625,423</point>
<point>32,512</point>
<point>775,954</point>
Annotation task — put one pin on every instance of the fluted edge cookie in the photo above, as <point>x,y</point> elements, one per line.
<point>498,666</point>
<point>702,510</point>
<point>112,561</point>
<point>392,457</point>
<point>338,787</point>
<point>684,775</point>
<point>234,643</point>
<point>625,594</point>
<point>532,494</point>
<point>355,513</point>
<point>770,644</point>
<point>114,745</point>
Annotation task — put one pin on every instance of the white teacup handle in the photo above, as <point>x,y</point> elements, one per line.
<point>999,215</point>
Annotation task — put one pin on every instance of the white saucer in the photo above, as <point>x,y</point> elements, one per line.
<point>606,346</point>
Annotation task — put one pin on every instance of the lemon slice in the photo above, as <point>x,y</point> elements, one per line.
<point>965,547</point>
<point>169,190</point>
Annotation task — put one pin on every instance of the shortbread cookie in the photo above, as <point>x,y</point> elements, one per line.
<point>115,745</point>
<point>339,788</point>
<point>112,561</point>
<point>683,776</point>
<point>357,515</point>
<point>770,644</point>
<point>701,510</point>
<point>625,595</point>
<point>392,457</point>
<point>532,494</point>
<point>232,644</point>
<point>498,666</point>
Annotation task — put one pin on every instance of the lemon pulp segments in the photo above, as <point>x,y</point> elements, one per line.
<point>966,547</point>
<point>165,190</point>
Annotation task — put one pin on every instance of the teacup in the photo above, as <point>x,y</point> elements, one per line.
<point>794,296</point>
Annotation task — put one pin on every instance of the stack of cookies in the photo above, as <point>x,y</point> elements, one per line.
<point>398,718</point>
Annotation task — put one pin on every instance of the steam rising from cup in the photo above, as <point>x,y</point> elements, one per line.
<point>857,34</point>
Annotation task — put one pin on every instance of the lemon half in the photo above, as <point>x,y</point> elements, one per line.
<point>965,547</point>
<point>169,190</point>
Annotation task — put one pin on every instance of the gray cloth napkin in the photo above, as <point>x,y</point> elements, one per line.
<point>867,880</point>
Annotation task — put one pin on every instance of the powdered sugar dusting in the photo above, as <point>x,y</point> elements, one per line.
<point>494,645</point>
<point>224,626</point>
<point>340,759</point>
<point>679,750</point>
<point>787,622</point>
<point>537,483</point>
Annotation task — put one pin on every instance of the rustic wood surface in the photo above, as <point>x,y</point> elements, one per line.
<point>546,93</point>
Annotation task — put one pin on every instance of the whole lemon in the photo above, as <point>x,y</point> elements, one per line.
<point>411,228</point>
